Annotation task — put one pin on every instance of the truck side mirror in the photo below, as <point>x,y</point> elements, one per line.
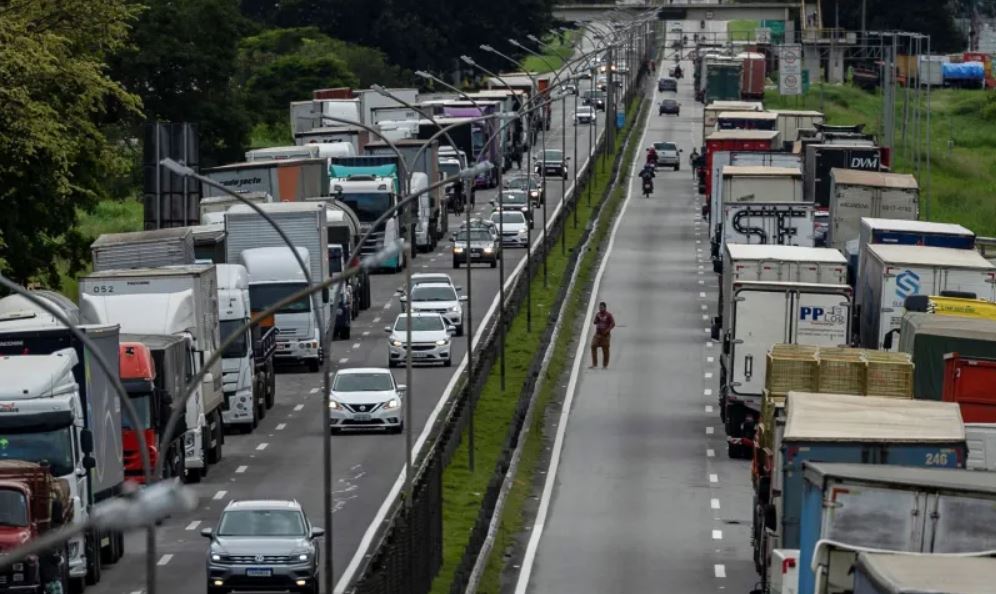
<point>86,441</point>
<point>887,341</point>
<point>387,329</point>
<point>89,462</point>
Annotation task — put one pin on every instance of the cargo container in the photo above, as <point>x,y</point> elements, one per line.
<point>905,232</point>
<point>752,183</point>
<point>855,194</point>
<point>143,249</point>
<point>930,70</point>
<point>213,207</point>
<point>722,82</point>
<point>747,120</point>
<point>821,158</point>
<point>766,223</point>
<point>877,573</point>
<point>855,430</point>
<point>886,508</point>
<point>287,180</point>
<point>981,441</point>
<point>928,338</point>
<point>357,137</point>
<point>753,72</point>
<point>736,140</point>
<point>721,159</point>
<point>711,111</point>
<point>892,273</point>
<point>970,382</point>
<point>791,121</point>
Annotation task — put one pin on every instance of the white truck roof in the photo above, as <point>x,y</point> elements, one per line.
<point>743,251</point>
<point>922,255</point>
<point>735,105</point>
<point>915,574</point>
<point>743,135</point>
<point>749,115</point>
<point>915,226</point>
<point>840,417</point>
<point>26,377</point>
<point>798,112</point>
<point>274,264</point>
<point>875,179</point>
<point>232,277</point>
<point>760,171</point>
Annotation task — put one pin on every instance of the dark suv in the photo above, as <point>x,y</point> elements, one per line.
<point>263,545</point>
<point>667,84</point>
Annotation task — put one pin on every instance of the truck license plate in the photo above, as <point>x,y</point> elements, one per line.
<point>258,572</point>
<point>362,417</point>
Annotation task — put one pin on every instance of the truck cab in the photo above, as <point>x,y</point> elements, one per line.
<point>243,408</point>
<point>370,196</point>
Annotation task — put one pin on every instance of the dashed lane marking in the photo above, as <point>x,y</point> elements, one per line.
<point>344,360</point>
<point>298,407</point>
<point>710,430</point>
<point>262,446</point>
<point>313,391</point>
<point>708,375</point>
<point>193,525</point>
<point>281,426</point>
<point>219,495</point>
<point>708,408</point>
<point>241,469</point>
<point>717,535</point>
<point>719,570</point>
<point>375,320</point>
<point>707,392</point>
<point>702,295</point>
<point>714,503</point>
<point>366,333</point>
<point>710,453</point>
<point>710,359</point>
<point>387,305</point>
<point>164,559</point>
<point>713,478</point>
<point>356,345</point>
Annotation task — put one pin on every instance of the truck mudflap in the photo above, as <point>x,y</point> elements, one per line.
<point>265,346</point>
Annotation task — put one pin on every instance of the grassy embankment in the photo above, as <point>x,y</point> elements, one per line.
<point>962,186</point>
<point>554,55</point>
<point>462,489</point>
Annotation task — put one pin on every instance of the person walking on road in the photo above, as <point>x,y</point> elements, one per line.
<point>604,323</point>
<point>693,162</point>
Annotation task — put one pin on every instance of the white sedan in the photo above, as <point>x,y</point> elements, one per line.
<point>439,298</point>
<point>366,398</point>
<point>584,115</point>
<point>513,226</point>
<point>430,339</point>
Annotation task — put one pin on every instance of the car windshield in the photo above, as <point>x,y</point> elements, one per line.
<point>508,217</point>
<point>54,447</point>
<point>13,508</point>
<point>475,235</point>
<point>240,345</point>
<point>368,206</point>
<point>669,102</point>
<point>363,382</point>
<point>425,293</point>
<point>420,323</point>
<point>513,198</point>
<point>435,278</point>
<point>449,170</point>
<point>143,406</point>
<point>553,155</point>
<point>665,146</point>
<point>262,522</point>
<point>264,295</point>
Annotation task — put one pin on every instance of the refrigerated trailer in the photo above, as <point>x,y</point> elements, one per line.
<point>856,194</point>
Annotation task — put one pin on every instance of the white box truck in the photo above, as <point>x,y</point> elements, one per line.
<point>274,272</point>
<point>791,121</point>
<point>855,194</point>
<point>722,159</point>
<point>776,263</point>
<point>314,150</point>
<point>761,314</point>
<point>767,223</point>
<point>185,301</point>
<point>213,207</point>
<point>143,249</point>
<point>891,273</point>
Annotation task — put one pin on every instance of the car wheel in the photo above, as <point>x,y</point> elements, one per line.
<point>216,590</point>
<point>398,429</point>
<point>456,264</point>
<point>313,365</point>
<point>677,167</point>
<point>494,263</point>
<point>448,362</point>
<point>346,332</point>
<point>459,330</point>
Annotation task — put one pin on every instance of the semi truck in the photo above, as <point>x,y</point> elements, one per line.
<point>821,158</point>
<point>747,120</point>
<point>877,573</point>
<point>721,159</point>
<point>34,503</point>
<point>274,273</point>
<point>734,140</point>
<point>759,314</point>
<point>186,301</point>
<point>154,371</point>
<point>57,407</point>
<point>343,240</point>
<point>856,194</point>
<point>248,377</point>
<point>287,180</point>
<point>471,138</point>
<point>753,74</point>
<point>313,150</point>
<point>370,186</point>
<point>892,273</point>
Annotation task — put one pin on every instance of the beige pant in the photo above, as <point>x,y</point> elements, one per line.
<point>600,341</point>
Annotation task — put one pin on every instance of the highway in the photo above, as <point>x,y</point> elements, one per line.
<point>282,458</point>
<point>640,495</point>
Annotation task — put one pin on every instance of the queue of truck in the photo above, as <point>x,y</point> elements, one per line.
<point>852,333</point>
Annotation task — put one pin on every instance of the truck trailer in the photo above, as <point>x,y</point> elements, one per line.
<point>856,194</point>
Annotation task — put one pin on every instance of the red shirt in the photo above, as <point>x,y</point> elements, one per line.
<point>604,322</point>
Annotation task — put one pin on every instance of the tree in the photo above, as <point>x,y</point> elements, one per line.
<point>931,17</point>
<point>54,157</point>
<point>181,60</point>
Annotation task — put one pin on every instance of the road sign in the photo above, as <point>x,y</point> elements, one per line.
<point>762,35</point>
<point>790,69</point>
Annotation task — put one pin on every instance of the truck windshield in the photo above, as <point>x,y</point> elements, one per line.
<point>449,170</point>
<point>143,406</point>
<point>13,508</point>
<point>54,447</point>
<point>239,347</point>
<point>263,296</point>
<point>368,206</point>
<point>477,139</point>
<point>430,293</point>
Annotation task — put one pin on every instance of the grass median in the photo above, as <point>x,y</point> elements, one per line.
<point>463,490</point>
<point>963,145</point>
<point>557,51</point>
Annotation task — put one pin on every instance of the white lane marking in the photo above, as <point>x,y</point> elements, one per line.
<point>375,320</point>
<point>241,469</point>
<point>705,316</point>
<point>536,533</point>
<point>713,478</point>
<point>719,570</point>
<point>368,536</point>
<point>710,453</point>
<point>714,503</point>
<point>356,345</point>
<point>387,305</point>
<point>281,426</point>
<point>707,392</point>
<point>708,408</point>
<point>262,446</point>
<point>708,375</point>
<point>708,330</point>
<point>298,407</point>
<point>313,391</point>
<point>164,559</point>
<point>219,495</point>
<point>700,272</point>
<point>366,333</point>
<point>710,359</point>
<point>702,295</point>
<point>717,535</point>
<point>710,430</point>
<point>344,360</point>
<point>193,525</point>
<point>701,282</point>
<point>701,267</point>
<point>708,344</point>
<point>704,307</point>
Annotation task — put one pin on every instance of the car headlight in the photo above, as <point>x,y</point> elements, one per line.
<point>215,557</point>
<point>333,405</point>
<point>523,231</point>
<point>488,250</point>
<point>396,343</point>
<point>525,209</point>
<point>454,308</point>
<point>534,193</point>
<point>457,250</point>
<point>303,556</point>
<point>392,404</point>
<point>442,342</point>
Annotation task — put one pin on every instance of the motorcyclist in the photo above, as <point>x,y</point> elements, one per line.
<point>647,175</point>
<point>651,156</point>
<point>677,71</point>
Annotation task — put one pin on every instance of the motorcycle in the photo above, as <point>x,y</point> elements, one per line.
<point>648,187</point>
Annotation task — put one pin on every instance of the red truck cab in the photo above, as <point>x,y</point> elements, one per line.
<point>32,502</point>
<point>735,140</point>
<point>138,374</point>
<point>971,383</point>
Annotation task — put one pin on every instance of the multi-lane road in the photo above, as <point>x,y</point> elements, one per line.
<point>640,496</point>
<point>282,458</point>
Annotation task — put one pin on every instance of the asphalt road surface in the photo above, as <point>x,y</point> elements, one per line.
<point>282,458</point>
<point>644,498</point>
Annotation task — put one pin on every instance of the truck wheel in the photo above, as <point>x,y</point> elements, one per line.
<point>271,385</point>
<point>193,476</point>
<point>346,332</point>
<point>314,366</point>
<point>91,543</point>
<point>456,264</point>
